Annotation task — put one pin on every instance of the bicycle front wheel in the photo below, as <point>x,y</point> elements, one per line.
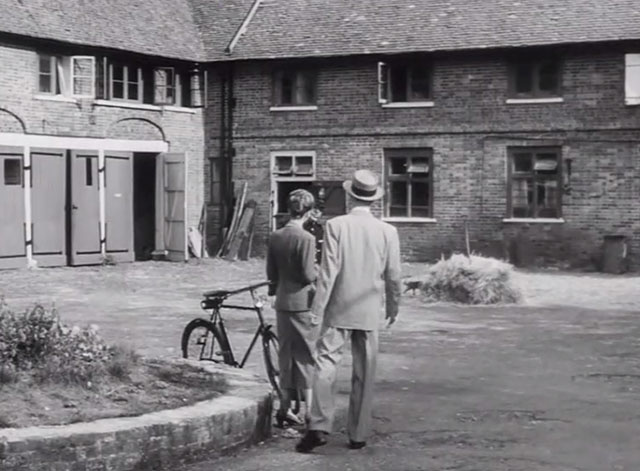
<point>270,350</point>
<point>201,340</point>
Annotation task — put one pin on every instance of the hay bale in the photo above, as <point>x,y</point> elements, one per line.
<point>471,280</point>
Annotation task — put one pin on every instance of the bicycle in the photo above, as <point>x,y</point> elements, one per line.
<point>203,334</point>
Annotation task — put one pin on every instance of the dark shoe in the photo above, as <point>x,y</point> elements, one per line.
<point>311,440</point>
<point>356,445</point>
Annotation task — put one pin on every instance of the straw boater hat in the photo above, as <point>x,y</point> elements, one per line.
<point>364,185</point>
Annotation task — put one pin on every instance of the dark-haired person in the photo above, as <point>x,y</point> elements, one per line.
<point>291,270</point>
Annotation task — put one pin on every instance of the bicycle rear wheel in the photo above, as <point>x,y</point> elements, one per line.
<point>270,351</point>
<point>202,340</point>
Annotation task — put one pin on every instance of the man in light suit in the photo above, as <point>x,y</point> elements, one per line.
<point>360,262</point>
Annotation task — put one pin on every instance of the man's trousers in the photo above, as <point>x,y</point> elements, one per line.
<point>329,351</point>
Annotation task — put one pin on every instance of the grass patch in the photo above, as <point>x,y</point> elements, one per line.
<point>53,374</point>
<point>470,280</point>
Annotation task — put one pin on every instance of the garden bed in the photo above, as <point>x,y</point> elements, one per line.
<point>53,374</point>
<point>152,385</point>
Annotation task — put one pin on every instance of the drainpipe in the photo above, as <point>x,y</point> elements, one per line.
<point>227,101</point>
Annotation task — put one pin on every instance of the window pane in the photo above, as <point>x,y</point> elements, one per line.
<point>133,91</point>
<point>398,199</point>
<point>13,172</point>
<point>398,165</point>
<point>548,77</point>
<point>160,81</point>
<point>286,89</point>
<point>83,76</point>
<point>306,88</point>
<point>419,198</point>
<point>547,198</point>
<point>118,73</point>
<point>420,83</point>
<point>45,64</point>
<point>419,166</point>
<point>398,78</point>
<point>524,78</point>
<point>45,84</point>
<point>88,168</point>
<point>522,162</point>
<point>118,89</point>
<point>284,164</point>
<point>304,165</point>
<point>546,164</point>
<point>522,197</point>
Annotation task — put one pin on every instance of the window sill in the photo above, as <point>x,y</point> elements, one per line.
<point>533,101</point>
<point>632,101</point>
<point>124,104</point>
<point>409,104</point>
<point>407,219</point>
<point>294,108</point>
<point>58,98</point>
<point>179,109</point>
<point>535,220</point>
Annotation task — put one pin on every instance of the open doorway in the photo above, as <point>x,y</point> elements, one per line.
<point>144,204</point>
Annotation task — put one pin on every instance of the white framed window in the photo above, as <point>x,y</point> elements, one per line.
<point>70,76</point>
<point>408,177</point>
<point>125,82</point>
<point>534,183</point>
<point>290,170</point>
<point>632,79</point>
<point>164,86</point>
<point>83,76</point>
<point>48,74</point>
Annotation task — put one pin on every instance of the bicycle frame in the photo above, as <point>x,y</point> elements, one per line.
<point>216,318</point>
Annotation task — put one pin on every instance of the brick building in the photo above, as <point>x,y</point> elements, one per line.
<point>516,120</point>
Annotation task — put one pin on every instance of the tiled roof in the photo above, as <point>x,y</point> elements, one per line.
<point>156,27</point>
<point>218,21</point>
<point>299,28</point>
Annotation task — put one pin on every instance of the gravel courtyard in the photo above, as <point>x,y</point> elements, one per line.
<point>551,385</point>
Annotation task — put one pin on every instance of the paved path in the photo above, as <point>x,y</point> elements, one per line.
<point>486,389</point>
<point>551,386</point>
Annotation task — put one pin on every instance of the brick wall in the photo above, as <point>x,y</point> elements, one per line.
<point>19,108</point>
<point>469,129</point>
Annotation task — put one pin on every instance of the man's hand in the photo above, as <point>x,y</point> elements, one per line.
<point>391,320</point>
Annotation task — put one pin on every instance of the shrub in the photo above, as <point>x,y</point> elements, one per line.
<point>37,342</point>
<point>471,280</point>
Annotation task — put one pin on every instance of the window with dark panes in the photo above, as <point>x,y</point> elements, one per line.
<point>535,183</point>
<point>295,88</point>
<point>125,82</point>
<point>12,171</point>
<point>409,183</point>
<point>404,83</point>
<point>535,79</point>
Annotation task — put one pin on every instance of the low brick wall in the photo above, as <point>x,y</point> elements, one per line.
<point>160,440</point>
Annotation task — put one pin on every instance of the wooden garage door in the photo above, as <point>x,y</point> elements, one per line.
<point>119,205</point>
<point>12,213</point>
<point>85,209</point>
<point>48,199</point>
